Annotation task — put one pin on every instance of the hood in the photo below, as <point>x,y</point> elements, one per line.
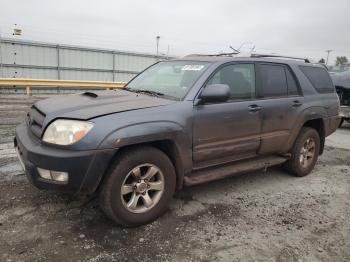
<point>341,79</point>
<point>93,104</point>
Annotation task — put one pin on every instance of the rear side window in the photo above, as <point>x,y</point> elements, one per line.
<point>274,81</point>
<point>319,78</point>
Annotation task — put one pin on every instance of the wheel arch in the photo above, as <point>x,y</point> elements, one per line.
<point>319,125</point>
<point>314,117</point>
<point>167,146</point>
<point>316,123</point>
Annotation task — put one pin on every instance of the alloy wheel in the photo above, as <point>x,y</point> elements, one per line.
<point>307,152</point>
<point>142,188</point>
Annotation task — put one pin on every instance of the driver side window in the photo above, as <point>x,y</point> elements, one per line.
<point>240,78</point>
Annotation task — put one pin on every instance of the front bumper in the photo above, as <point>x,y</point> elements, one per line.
<point>85,168</point>
<point>345,112</point>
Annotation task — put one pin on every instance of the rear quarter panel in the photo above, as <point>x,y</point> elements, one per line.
<point>316,106</point>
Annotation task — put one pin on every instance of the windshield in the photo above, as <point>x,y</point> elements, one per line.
<point>169,78</point>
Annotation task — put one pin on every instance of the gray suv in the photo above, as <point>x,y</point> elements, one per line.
<point>179,123</point>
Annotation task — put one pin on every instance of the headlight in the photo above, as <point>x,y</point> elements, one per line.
<point>66,132</point>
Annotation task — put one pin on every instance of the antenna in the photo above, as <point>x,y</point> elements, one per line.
<point>252,50</point>
<point>234,50</point>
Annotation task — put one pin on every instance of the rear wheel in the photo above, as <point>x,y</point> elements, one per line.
<point>304,153</point>
<point>138,187</point>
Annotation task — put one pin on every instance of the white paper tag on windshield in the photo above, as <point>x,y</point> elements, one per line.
<point>192,67</point>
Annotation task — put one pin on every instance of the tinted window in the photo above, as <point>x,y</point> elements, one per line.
<point>292,85</point>
<point>274,81</point>
<point>319,78</point>
<point>239,77</point>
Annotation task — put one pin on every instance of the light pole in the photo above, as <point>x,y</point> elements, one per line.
<point>1,74</point>
<point>328,52</point>
<point>157,39</point>
<point>167,53</point>
<point>16,31</point>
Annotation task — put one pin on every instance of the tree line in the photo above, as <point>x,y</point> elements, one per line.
<point>339,61</point>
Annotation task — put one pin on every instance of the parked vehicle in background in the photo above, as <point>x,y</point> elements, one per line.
<point>342,85</point>
<point>179,123</point>
<point>339,69</point>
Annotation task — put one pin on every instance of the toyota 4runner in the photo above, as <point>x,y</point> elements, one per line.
<point>179,123</point>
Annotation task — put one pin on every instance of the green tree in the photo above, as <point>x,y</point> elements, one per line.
<point>341,60</point>
<point>322,61</point>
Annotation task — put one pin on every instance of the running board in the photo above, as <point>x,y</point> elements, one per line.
<point>215,173</point>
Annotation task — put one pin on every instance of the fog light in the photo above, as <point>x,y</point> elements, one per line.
<point>46,174</point>
<point>57,176</point>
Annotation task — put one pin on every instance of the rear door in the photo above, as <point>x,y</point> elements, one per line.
<point>228,131</point>
<point>280,97</point>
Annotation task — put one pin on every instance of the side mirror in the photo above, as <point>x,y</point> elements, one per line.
<point>215,93</point>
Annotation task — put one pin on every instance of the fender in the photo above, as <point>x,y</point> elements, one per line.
<point>311,113</point>
<point>151,132</point>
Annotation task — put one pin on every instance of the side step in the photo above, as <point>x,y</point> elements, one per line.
<point>219,172</point>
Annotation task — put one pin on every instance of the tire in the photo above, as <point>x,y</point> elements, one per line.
<point>341,122</point>
<point>295,165</point>
<point>133,167</point>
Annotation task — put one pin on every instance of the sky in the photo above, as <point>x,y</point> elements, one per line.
<point>298,28</point>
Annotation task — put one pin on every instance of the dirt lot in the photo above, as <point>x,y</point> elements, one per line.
<point>261,216</point>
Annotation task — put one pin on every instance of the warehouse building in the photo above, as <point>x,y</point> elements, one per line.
<point>29,59</point>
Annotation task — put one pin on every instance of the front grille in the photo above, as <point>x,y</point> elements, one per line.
<point>35,119</point>
<point>344,96</point>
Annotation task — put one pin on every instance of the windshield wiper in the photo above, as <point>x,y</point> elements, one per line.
<point>129,89</point>
<point>153,93</point>
<point>149,92</point>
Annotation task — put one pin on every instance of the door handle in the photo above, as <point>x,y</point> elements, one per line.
<point>296,103</point>
<point>254,108</point>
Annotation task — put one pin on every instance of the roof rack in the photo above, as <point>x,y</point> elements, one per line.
<point>306,60</point>
<point>220,54</point>
<point>225,54</point>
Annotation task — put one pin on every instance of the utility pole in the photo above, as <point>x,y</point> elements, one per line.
<point>328,52</point>
<point>167,53</point>
<point>0,54</point>
<point>157,39</point>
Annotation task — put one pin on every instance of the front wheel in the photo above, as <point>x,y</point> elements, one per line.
<point>138,187</point>
<point>304,153</point>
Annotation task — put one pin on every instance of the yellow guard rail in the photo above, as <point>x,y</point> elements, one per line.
<point>29,83</point>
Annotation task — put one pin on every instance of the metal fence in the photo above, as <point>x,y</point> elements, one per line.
<point>28,59</point>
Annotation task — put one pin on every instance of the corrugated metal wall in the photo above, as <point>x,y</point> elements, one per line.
<point>26,59</point>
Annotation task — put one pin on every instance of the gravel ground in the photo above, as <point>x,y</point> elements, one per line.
<point>261,216</point>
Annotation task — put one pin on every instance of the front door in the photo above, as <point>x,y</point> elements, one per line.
<point>228,131</point>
